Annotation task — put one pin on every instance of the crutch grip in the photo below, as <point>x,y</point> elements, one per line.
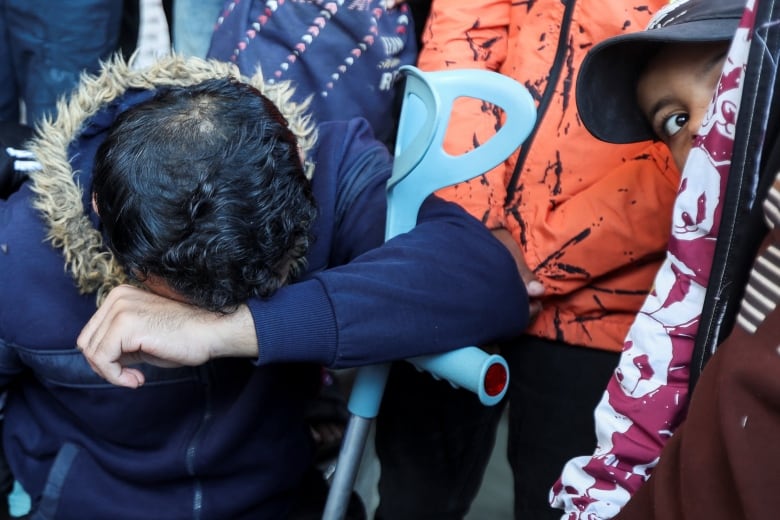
<point>487,375</point>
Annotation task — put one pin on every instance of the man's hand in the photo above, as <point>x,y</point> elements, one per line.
<point>135,326</point>
<point>532,284</point>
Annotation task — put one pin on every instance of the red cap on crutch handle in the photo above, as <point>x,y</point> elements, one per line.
<point>487,375</point>
<point>496,379</point>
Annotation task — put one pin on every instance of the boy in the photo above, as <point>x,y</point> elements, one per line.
<point>660,84</point>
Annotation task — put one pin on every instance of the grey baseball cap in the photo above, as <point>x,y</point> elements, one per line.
<point>606,84</point>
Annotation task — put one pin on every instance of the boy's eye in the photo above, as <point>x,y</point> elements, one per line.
<point>674,123</point>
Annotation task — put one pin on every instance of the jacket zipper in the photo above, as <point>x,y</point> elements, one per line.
<point>192,450</point>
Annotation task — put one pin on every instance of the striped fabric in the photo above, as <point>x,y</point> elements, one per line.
<point>24,161</point>
<point>763,290</point>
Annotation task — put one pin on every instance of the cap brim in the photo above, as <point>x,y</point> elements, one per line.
<point>606,83</point>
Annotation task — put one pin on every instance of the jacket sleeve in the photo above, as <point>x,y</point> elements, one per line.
<point>644,402</point>
<point>462,35</point>
<point>647,396</point>
<point>445,284</point>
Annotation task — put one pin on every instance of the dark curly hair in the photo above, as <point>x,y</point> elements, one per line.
<point>203,187</point>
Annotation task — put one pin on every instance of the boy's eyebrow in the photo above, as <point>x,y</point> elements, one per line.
<point>705,67</point>
<point>657,106</point>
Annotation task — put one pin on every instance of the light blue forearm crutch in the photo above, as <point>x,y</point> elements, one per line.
<point>421,167</point>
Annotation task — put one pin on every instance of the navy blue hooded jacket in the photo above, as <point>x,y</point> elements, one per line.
<point>225,440</point>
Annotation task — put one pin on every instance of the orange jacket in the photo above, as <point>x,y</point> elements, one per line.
<point>592,218</point>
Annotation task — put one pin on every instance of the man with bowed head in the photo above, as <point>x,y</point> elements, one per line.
<point>233,248</point>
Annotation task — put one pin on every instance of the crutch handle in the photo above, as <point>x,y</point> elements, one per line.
<point>487,375</point>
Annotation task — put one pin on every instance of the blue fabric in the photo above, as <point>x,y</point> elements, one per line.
<point>345,56</point>
<point>228,439</point>
<point>45,45</point>
<point>193,23</point>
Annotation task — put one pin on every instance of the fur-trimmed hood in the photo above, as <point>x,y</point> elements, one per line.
<point>58,194</point>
